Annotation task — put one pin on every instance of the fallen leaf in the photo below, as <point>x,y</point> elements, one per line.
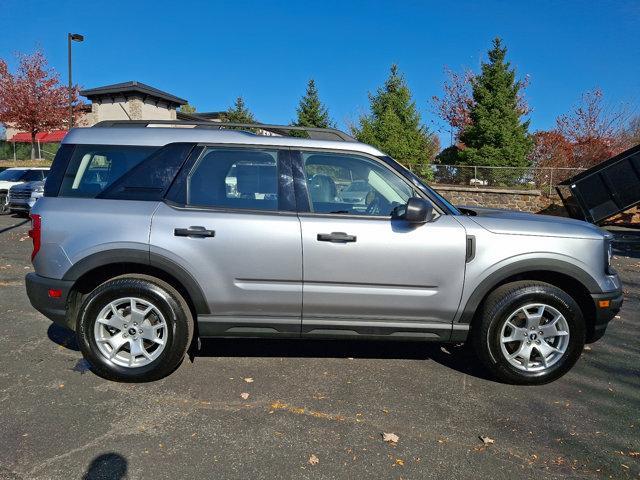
<point>248,380</point>
<point>400,462</point>
<point>634,454</point>
<point>313,460</point>
<point>244,395</point>
<point>390,437</point>
<point>587,348</point>
<point>487,440</point>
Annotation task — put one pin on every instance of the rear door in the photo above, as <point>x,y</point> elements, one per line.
<point>230,221</point>
<point>364,272</point>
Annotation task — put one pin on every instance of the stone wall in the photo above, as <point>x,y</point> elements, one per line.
<point>533,201</point>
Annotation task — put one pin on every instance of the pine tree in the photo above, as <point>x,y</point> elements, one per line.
<point>394,125</point>
<point>239,113</point>
<point>311,112</point>
<point>497,136</point>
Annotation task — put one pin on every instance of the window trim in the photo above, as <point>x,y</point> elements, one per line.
<point>302,182</point>
<point>179,186</point>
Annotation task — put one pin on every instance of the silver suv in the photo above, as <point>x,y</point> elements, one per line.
<point>148,239</point>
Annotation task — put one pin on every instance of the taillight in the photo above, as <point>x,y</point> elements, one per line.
<point>35,233</point>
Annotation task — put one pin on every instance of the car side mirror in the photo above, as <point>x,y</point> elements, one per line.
<point>418,210</point>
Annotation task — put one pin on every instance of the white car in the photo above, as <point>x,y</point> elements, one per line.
<point>14,176</point>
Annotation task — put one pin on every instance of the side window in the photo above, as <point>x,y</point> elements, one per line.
<point>32,175</point>
<point>351,184</point>
<point>234,178</point>
<point>93,168</point>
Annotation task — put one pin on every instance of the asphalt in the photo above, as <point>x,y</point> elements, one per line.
<point>329,400</point>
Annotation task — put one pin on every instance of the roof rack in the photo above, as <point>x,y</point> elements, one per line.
<point>312,132</point>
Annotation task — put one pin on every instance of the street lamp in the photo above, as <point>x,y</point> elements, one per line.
<point>76,37</point>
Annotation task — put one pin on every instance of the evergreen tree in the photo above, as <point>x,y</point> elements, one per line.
<point>497,136</point>
<point>239,113</point>
<point>187,108</point>
<point>394,125</point>
<point>311,111</point>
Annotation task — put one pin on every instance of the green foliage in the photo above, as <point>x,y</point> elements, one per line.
<point>187,108</point>
<point>496,136</point>
<point>239,113</point>
<point>394,125</point>
<point>311,112</point>
<point>23,150</point>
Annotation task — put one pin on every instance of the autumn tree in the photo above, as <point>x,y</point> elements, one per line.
<point>239,113</point>
<point>32,99</point>
<point>594,129</point>
<point>454,107</point>
<point>497,135</point>
<point>394,125</point>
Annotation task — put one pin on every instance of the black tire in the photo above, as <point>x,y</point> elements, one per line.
<point>497,308</point>
<point>163,296</point>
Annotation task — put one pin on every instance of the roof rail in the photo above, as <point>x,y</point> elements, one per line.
<point>312,132</point>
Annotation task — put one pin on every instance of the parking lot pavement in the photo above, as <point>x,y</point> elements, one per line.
<point>330,400</point>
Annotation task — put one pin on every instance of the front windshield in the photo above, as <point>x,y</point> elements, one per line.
<point>11,175</point>
<point>426,188</point>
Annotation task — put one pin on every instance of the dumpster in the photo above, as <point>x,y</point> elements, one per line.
<point>604,190</point>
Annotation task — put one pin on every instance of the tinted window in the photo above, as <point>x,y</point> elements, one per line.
<point>92,168</point>
<point>33,175</point>
<point>234,178</point>
<point>11,175</point>
<point>151,178</point>
<point>350,184</point>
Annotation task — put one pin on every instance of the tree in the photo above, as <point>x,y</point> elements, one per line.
<point>187,108</point>
<point>394,125</point>
<point>595,131</point>
<point>497,136</point>
<point>239,113</point>
<point>311,112</point>
<point>551,149</point>
<point>33,99</point>
<point>454,107</point>
<point>631,133</point>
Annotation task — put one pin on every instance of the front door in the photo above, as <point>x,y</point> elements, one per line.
<point>230,222</point>
<point>366,273</point>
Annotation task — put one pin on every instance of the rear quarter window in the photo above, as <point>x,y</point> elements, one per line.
<point>91,169</point>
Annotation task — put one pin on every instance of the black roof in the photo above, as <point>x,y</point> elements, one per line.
<point>132,87</point>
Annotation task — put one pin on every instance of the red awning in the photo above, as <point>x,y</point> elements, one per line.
<point>42,137</point>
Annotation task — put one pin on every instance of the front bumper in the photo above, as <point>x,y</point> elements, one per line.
<point>23,205</point>
<point>607,306</point>
<point>54,308</point>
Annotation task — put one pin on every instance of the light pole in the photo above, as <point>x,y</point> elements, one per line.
<point>76,37</point>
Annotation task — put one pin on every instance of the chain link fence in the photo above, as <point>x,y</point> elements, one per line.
<point>520,178</point>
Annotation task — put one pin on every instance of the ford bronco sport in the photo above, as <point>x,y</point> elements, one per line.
<point>148,238</point>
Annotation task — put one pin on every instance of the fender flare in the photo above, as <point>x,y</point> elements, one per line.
<point>145,258</point>
<point>524,266</point>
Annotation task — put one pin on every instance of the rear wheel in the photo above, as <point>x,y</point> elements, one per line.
<point>529,333</point>
<point>134,328</point>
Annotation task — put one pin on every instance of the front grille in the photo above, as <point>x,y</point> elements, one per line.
<point>21,194</point>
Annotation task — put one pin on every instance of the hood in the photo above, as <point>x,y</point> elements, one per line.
<point>509,222</point>
<point>5,185</point>
<point>27,185</point>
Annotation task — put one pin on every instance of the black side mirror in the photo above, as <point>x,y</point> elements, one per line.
<point>418,210</point>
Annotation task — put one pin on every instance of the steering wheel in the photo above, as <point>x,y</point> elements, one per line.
<point>377,205</point>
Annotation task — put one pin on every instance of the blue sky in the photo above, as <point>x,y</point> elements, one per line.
<point>211,52</point>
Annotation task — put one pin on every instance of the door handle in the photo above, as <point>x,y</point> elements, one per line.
<point>336,237</point>
<point>194,232</point>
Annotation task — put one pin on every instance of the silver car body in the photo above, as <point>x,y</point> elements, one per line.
<point>266,274</point>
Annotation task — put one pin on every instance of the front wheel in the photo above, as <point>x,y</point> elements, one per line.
<point>529,333</point>
<point>4,205</point>
<point>134,328</point>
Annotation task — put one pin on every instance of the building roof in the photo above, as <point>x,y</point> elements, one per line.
<point>160,136</point>
<point>42,137</point>
<point>129,88</point>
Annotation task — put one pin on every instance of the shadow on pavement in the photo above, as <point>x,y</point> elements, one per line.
<point>458,357</point>
<point>14,226</point>
<point>108,466</point>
